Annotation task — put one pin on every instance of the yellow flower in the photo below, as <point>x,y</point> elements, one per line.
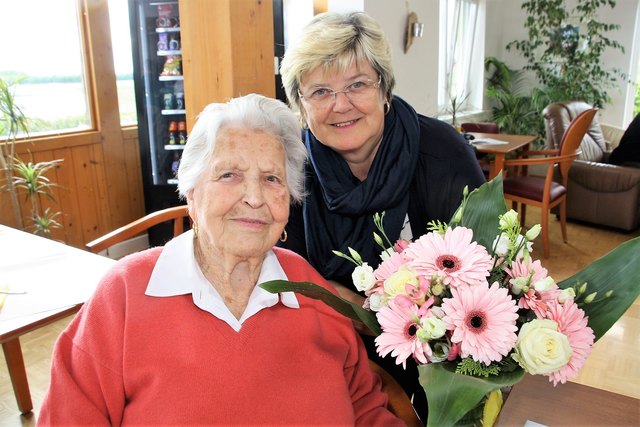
<point>492,407</point>
<point>395,284</point>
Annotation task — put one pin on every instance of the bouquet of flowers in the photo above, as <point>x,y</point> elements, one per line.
<point>472,307</point>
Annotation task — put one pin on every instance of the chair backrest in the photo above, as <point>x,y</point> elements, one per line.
<point>177,214</point>
<point>559,115</point>
<point>573,136</point>
<point>398,403</point>
<point>482,127</point>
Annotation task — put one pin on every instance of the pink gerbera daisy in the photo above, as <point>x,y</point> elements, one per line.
<point>399,334</point>
<point>573,323</point>
<point>483,320</point>
<point>388,267</point>
<point>452,257</point>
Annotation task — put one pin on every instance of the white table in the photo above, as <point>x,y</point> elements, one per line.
<point>56,280</point>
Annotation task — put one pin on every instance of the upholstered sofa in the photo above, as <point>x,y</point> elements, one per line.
<point>597,192</point>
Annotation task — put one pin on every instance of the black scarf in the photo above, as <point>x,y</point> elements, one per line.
<point>338,210</point>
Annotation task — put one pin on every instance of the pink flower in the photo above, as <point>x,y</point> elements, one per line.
<point>540,289</point>
<point>400,245</point>
<point>399,334</point>
<point>388,267</point>
<point>573,323</point>
<point>483,320</point>
<point>452,257</point>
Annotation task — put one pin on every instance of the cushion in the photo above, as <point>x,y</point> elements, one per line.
<point>557,118</point>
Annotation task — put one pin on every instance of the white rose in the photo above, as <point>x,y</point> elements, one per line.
<point>541,349</point>
<point>545,284</point>
<point>363,277</point>
<point>528,246</point>
<point>396,283</point>
<point>509,220</point>
<point>386,254</point>
<point>533,232</point>
<point>519,284</point>
<point>377,302</point>
<point>431,328</point>
<point>566,294</point>
<point>502,245</point>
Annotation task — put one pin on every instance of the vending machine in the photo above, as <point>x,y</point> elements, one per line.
<point>160,101</point>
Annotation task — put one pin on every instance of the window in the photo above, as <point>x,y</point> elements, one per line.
<point>461,55</point>
<point>47,63</point>
<point>122,60</point>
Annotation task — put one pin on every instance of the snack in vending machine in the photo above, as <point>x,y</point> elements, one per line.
<point>165,16</point>
<point>172,65</point>
<point>182,132</point>
<point>173,128</point>
<point>163,41</point>
<point>175,164</point>
<point>179,100</point>
<point>167,101</point>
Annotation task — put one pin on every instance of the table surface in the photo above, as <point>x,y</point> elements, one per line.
<point>513,142</point>
<point>57,279</point>
<point>570,404</point>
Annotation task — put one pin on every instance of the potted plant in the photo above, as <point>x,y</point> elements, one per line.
<point>19,175</point>
<point>565,46</point>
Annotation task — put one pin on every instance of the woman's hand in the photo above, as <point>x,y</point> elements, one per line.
<point>357,299</point>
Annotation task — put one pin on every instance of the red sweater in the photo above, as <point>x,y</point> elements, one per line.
<point>128,358</point>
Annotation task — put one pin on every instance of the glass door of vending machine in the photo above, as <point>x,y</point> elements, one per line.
<point>160,89</point>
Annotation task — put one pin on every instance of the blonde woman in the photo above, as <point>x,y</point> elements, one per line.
<point>369,151</point>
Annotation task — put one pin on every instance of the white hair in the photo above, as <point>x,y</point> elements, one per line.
<point>254,112</point>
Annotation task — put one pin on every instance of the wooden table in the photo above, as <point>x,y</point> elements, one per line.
<point>57,280</point>
<point>512,143</point>
<point>570,404</point>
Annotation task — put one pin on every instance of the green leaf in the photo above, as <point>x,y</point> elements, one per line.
<point>341,305</point>
<point>482,210</point>
<point>452,395</point>
<point>619,271</point>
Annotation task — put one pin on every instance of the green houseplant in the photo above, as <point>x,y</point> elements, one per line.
<point>565,46</point>
<point>18,175</point>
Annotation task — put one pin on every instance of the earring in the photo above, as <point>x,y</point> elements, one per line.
<point>195,229</point>
<point>284,236</point>
<point>387,108</point>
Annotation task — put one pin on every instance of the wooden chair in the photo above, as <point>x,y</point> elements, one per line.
<point>177,214</point>
<point>544,192</point>
<point>398,403</point>
<point>480,127</point>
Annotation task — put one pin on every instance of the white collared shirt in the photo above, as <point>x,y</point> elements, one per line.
<point>177,273</point>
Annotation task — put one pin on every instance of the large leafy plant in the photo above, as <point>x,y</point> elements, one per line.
<point>454,398</point>
<point>564,49</point>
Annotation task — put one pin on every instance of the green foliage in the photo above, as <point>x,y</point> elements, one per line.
<point>31,177</point>
<point>515,109</point>
<point>564,49</point>
<point>18,175</point>
<point>468,366</point>
<point>636,105</point>
<point>42,224</point>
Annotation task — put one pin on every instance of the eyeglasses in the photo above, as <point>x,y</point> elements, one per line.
<point>356,92</point>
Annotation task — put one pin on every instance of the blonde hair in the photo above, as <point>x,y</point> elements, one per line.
<point>254,112</point>
<point>336,41</point>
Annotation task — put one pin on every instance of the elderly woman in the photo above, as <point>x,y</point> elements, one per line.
<point>369,151</point>
<point>181,334</point>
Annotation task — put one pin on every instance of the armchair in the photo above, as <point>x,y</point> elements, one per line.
<point>597,192</point>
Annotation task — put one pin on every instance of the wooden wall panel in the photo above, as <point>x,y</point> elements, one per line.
<point>227,51</point>
<point>67,198</point>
